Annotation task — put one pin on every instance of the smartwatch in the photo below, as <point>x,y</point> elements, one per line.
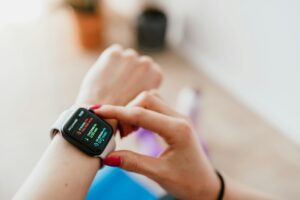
<point>86,131</point>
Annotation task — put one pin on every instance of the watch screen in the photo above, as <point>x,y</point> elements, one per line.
<point>89,132</point>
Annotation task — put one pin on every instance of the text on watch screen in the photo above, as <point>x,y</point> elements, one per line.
<point>88,129</point>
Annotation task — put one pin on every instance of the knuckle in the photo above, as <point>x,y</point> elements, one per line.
<point>129,163</point>
<point>146,59</point>
<point>184,127</point>
<point>145,97</point>
<point>130,55</point>
<point>115,53</point>
<point>165,177</point>
<point>134,166</point>
<point>137,112</point>
<point>115,46</point>
<point>163,170</point>
<point>146,62</point>
<point>159,76</point>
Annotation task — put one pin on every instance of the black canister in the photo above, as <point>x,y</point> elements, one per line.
<point>151,30</point>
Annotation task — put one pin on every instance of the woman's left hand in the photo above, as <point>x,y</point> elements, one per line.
<point>117,77</point>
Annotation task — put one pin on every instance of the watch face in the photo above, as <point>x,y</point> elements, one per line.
<point>87,131</point>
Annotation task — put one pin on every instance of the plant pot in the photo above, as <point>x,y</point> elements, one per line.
<point>90,27</point>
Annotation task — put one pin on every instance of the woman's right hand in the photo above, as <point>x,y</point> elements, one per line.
<point>182,169</point>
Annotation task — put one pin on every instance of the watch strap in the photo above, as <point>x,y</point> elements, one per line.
<point>111,146</point>
<point>57,126</point>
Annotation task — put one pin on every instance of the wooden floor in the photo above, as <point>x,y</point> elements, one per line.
<point>40,71</point>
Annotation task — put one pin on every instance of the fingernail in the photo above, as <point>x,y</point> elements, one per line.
<point>112,161</point>
<point>95,106</point>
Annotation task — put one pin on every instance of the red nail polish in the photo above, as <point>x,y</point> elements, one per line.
<point>112,161</point>
<point>95,106</point>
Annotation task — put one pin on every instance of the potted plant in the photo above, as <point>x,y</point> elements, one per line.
<point>89,20</point>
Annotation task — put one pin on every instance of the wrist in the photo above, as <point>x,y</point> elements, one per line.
<point>209,190</point>
<point>83,128</point>
<point>89,136</point>
<point>73,153</point>
<point>90,98</point>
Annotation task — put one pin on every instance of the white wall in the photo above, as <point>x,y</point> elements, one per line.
<point>252,48</point>
<point>16,11</point>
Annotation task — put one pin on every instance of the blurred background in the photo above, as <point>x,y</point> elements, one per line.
<point>242,58</point>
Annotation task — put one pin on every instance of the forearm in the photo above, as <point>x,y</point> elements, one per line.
<point>62,173</point>
<point>116,78</point>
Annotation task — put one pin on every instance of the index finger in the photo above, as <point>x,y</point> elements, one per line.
<point>163,125</point>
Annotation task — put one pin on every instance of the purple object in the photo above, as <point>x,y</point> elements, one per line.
<point>148,143</point>
<point>189,103</point>
<point>195,117</point>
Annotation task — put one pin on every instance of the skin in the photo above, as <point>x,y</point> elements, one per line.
<point>116,78</point>
<point>182,169</point>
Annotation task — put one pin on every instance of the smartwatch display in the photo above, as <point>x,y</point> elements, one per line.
<point>87,131</point>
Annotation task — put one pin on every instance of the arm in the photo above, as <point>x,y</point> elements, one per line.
<point>182,169</point>
<point>64,172</point>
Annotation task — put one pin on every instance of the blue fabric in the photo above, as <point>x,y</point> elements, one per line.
<point>115,184</point>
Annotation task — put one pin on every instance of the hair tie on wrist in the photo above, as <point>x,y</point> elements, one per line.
<point>222,189</point>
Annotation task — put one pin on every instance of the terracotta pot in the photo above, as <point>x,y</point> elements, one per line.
<point>90,27</point>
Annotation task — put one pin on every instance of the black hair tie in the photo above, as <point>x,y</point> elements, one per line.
<point>222,189</point>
